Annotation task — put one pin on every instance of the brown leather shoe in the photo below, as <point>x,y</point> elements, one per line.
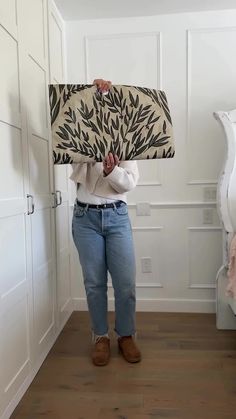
<point>101,351</point>
<point>129,349</point>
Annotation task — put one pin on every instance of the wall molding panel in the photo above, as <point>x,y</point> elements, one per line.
<point>210,48</point>
<point>114,37</point>
<point>150,177</point>
<point>208,246</point>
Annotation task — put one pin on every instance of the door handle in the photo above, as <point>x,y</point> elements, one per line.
<point>30,198</point>
<point>60,198</point>
<point>54,200</point>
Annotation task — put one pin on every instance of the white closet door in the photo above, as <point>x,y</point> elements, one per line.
<point>33,31</point>
<point>15,304</point>
<point>61,176</point>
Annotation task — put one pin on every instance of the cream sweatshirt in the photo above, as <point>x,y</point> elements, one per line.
<point>122,179</point>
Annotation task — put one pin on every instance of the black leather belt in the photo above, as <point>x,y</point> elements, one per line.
<point>116,204</point>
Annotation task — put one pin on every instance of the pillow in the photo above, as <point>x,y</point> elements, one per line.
<point>132,122</point>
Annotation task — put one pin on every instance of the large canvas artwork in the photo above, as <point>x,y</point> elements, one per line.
<point>132,122</point>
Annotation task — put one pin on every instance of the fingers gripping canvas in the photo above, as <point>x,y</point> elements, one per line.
<point>132,122</point>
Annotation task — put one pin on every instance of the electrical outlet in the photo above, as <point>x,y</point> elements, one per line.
<point>146,264</point>
<point>209,193</point>
<point>143,208</point>
<point>208,216</point>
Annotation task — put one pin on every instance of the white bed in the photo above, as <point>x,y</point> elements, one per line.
<point>226,203</point>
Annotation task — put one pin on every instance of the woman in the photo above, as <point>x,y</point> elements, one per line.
<point>102,234</point>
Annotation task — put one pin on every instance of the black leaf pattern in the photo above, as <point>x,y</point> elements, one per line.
<point>55,111</point>
<point>120,122</point>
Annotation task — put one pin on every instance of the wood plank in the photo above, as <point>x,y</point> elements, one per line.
<point>187,372</point>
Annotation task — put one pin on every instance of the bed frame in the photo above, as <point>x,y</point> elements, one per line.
<point>226,205</point>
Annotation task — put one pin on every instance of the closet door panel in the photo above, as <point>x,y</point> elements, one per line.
<point>61,179</point>
<point>11,162</point>
<point>42,277</point>
<point>39,166</point>
<point>12,249</point>
<point>14,307</point>
<point>27,241</point>
<point>8,16</point>
<point>34,88</point>
<point>56,47</point>
<point>15,353</point>
<point>15,303</point>
<point>33,14</point>
<point>63,233</point>
<point>9,81</point>
<point>36,96</point>
<point>61,175</point>
<point>63,257</point>
<point>41,220</point>
<point>63,285</point>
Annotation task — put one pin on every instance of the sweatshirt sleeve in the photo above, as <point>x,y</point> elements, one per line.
<point>79,171</point>
<point>124,177</point>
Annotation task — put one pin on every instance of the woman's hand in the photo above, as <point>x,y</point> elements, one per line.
<point>109,163</point>
<point>102,85</point>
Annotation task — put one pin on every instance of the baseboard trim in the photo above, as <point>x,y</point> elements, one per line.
<point>178,305</point>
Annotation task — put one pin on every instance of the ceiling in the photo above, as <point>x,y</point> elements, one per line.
<point>99,9</point>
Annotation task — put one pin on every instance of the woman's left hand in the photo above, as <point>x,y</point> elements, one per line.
<point>102,85</point>
<point>109,163</point>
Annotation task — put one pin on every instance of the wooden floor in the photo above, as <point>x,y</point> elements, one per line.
<point>188,371</point>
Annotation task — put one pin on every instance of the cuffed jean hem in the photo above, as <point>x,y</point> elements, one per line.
<point>120,335</point>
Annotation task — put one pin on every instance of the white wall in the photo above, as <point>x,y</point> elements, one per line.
<point>191,57</point>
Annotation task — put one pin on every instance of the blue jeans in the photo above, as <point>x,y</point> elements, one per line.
<point>104,241</point>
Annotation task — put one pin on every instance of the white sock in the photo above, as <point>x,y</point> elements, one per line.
<point>96,338</point>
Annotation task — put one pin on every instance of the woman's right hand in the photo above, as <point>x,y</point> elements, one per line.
<point>109,162</point>
<point>102,85</point>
